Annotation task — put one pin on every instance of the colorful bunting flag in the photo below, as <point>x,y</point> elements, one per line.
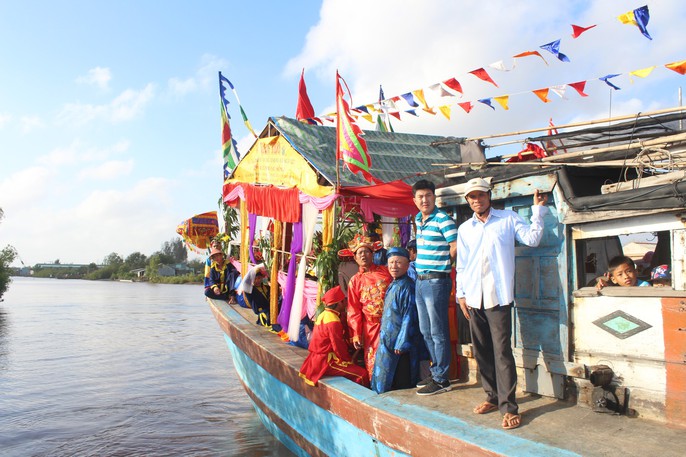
<point>304,110</point>
<point>410,100</point>
<point>502,101</point>
<point>679,67</point>
<point>642,73</point>
<point>554,48</point>
<point>499,65</point>
<point>606,79</point>
<point>383,123</point>
<point>445,111</point>
<point>230,153</point>
<point>560,90</point>
<point>577,30</point>
<point>481,74</point>
<point>487,102</point>
<point>453,84</point>
<point>467,106</point>
<point>542,94</point>
<point>530,53</point>
<point>638,17</point>
<point>350,146</point>
<point>579,87</point>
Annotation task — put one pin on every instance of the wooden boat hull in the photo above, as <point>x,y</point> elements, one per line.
<point>339,417</point>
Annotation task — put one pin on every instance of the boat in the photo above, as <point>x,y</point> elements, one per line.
<point>599,372</point>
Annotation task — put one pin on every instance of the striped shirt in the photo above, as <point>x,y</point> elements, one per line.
<point>434,236</point>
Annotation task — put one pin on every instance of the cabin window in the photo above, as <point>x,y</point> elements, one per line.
<point>646,249</point>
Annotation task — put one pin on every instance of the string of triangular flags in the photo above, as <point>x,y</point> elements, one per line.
<point>451,87</point>
<point>503,100</point>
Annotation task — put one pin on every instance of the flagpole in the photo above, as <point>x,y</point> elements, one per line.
<point>338,140</point>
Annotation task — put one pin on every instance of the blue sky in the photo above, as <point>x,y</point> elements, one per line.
<point>109,111</point>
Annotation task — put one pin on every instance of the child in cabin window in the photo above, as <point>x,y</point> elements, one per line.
<point>661,276</point>
<point>621,272</point>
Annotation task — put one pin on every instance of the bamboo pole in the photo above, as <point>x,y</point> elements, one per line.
<point>581,124</point>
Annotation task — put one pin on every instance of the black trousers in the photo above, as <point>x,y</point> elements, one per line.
<point>491,331</point>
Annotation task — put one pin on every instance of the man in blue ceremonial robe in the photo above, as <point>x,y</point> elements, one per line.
<point>400,341</point>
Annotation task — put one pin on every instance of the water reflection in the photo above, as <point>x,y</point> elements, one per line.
<point>108,368</point>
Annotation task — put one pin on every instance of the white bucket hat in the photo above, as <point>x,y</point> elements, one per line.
<point>477,184</point>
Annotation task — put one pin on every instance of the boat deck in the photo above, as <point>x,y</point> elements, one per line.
<point>557,425</point>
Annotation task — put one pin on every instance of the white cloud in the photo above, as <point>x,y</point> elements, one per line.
<point>30,123</point>
<point>4,119</point>
<point>205,76</point>
<point>108,171</point>
<point>407,45</point>
<point>25,188</point>
<point>93,226</point>
<point>97,76</point>
<point>126,106</point>
<point>182,87</point>
<point>77,152</point>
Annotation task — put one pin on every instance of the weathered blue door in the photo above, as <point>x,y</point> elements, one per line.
<point>540,320</point>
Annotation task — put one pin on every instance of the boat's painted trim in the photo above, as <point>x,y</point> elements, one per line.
<point>341,418</point>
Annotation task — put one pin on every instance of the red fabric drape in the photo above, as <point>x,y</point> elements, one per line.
<point>269,201</point>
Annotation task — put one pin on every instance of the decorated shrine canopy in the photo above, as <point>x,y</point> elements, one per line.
<point>298,161</point>
<point>199,230</point>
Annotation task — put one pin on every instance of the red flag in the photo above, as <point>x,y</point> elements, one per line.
<point>578,30</point>
<point>579,87</point>
<point>454,84</point>
<point>304,111</point>
<point>550,145</point>
<point>467,106</point>
<point>350,146</point>
<point>481,74</point>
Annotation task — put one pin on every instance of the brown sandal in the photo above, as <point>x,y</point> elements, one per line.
<point>485,408</point>
<point>511,421</point>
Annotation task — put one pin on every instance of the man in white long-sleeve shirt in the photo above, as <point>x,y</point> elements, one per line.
<point>485,267</point>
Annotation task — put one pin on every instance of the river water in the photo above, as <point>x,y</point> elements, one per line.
<point>101,368</point>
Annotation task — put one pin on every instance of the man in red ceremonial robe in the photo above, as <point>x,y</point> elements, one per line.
<point>366,292</point>
<point>329,354</point>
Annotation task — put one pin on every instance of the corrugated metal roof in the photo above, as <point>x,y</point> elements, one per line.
<point>394,155</point>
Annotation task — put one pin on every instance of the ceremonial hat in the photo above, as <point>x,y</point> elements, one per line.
<point>360,241</point>
<point>333,296</point>
<point>398,251</point>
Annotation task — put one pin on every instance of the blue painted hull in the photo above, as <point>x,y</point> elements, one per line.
<point>321,428</point>
<point>341,418</point>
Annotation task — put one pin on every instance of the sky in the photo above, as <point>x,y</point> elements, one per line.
<point>110,115</point>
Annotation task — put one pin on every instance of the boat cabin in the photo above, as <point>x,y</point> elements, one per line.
<point>571,340</point>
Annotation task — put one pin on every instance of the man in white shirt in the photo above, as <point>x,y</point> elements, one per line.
<point>485,267</point>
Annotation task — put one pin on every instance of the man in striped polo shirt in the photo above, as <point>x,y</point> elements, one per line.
<point>436,248</point>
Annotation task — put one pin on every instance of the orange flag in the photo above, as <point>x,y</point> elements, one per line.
<point>530,53</point>
<point>679,67</point>
<point>542,94</point>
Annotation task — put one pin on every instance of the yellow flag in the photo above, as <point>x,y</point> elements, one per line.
<point>642,73</point>
<point>502,101</point>
<point>627,18</point>
<point>445,110</point>
<point>419,94</point>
